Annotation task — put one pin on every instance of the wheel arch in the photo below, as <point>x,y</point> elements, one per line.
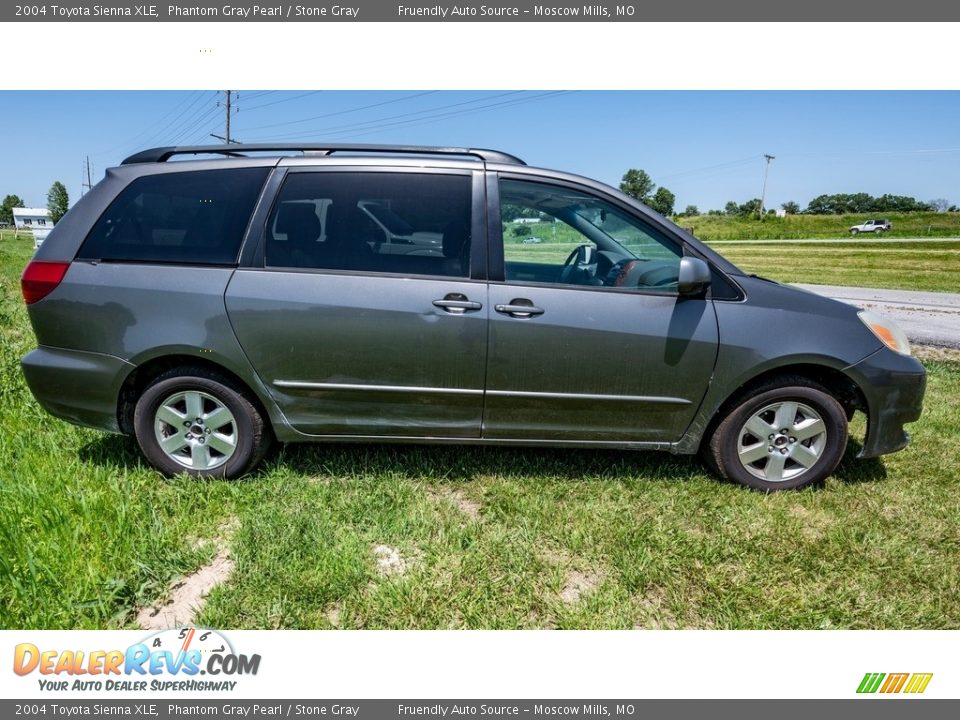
<point>141,376</point>
<point>839,385</point>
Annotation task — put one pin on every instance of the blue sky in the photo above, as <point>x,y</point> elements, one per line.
<point>706,146</point>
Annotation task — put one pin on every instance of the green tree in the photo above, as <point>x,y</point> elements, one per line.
<point>6,209</point>
<point>749,208</point>
<point>899,203</point>
<point>790,208</point>
<point>58,201</point>
<point>515,212</point>
<point>820,205</point>
<point>662,201</point>
<point>521,231</point>
<point>691,210</point>
<point>638,185</point>
<point>731,208</point>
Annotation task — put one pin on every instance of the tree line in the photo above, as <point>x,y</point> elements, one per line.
<point>639,185</point>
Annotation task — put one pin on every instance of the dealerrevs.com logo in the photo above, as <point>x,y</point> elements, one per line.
<point>181,659</point>
<point>891,683</point>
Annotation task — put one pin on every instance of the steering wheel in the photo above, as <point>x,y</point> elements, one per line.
<point>577,261</point>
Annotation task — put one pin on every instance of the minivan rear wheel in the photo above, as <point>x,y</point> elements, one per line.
<point>785,435</point>
<point>194,421</point>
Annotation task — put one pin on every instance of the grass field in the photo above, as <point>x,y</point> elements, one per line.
<point>473,538</point>
<point>933,266</point>
<point>793,227</point>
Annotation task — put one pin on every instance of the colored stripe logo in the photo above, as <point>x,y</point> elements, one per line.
<point>913,683</point>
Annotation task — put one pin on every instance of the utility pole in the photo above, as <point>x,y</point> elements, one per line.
<point>227,139</point>
<point>88,185</point>
<point>228,104</point>
<point>763,192</point>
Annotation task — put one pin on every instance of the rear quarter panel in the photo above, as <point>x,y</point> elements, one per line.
<point>138,312</point>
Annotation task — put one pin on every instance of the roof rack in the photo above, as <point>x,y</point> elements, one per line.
<point>162,154</point>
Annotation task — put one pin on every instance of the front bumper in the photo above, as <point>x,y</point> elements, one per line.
<point>79,387</point>
<point>893,386</point>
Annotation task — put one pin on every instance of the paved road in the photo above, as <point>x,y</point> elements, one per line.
<point>928,318</point>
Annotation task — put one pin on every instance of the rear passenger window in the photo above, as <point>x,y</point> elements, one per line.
<point>407,223</point>
<point>195,218</point>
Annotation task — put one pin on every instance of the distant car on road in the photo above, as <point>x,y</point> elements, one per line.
<point>532,240</point>
<point>871,226</point>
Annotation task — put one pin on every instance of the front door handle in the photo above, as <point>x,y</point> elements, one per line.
<point>519,308</point>
<point>457,304</point>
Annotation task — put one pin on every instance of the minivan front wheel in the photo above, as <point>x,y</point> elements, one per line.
<point>194,421</point>
<point>787,435</point>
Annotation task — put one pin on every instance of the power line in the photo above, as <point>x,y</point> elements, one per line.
<point>415,116</point>
<point>342,112</point>
<point>200,119</point>
<point>180,128</point>
<point>283,100</point>
<point>844,153</point>
<point>261,93</point>
<point>172,123</point>
<point>708,168</point>
<point>136,140</point>
<point>415,122</point>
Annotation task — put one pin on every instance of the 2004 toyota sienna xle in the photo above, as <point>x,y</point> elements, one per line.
<point>383,293</point>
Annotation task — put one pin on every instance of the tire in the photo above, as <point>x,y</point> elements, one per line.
<point>229,440</point>
<point>854,232</point>
<point>749,438</point>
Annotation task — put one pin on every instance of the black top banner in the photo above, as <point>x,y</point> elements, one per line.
<point>856,12</point>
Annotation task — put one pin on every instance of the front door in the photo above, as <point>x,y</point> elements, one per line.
<point>589,340</point>
<point>352,341</point>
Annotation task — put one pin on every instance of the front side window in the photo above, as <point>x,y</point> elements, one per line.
<point>554,234</point>
<point>196,218</point>
<point>405,223</point>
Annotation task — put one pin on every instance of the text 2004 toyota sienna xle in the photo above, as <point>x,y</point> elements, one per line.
<point>211,305</point>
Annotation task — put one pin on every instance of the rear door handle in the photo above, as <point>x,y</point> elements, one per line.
<point>519,308</point>
<point>457,304</point>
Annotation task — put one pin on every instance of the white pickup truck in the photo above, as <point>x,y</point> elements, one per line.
<point>871,226</point>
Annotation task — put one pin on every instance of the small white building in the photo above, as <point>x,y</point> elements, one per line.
<point>36,220</point>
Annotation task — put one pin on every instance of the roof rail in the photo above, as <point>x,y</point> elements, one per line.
<point>162,154</point>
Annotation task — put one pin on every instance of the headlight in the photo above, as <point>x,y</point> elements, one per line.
<point>887,330</point>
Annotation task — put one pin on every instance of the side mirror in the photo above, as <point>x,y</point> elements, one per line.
<point>694,277</point>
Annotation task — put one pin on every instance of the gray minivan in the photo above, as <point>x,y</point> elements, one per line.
<point>253,293</point>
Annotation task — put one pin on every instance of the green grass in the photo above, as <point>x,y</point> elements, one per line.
<point>89,533</point>
<point>722,227</point>
<point>933,266</point>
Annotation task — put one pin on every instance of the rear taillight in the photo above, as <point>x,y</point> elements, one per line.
<point>41,278</point>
